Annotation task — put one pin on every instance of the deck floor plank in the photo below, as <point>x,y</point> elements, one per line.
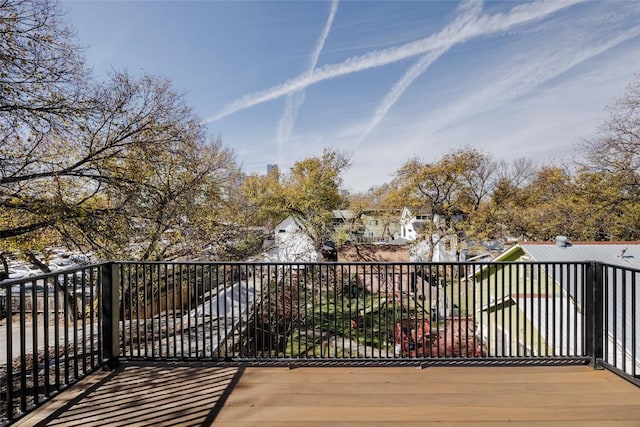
<point>157,395</point>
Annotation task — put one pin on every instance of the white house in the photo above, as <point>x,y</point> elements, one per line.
<point>292,243</point>
<point>412,227</point>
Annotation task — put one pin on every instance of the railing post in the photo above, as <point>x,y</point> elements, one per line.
<point>111,313</point>
<point>594,312</point>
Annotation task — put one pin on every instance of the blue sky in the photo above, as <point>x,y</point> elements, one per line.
<point>382,81</point>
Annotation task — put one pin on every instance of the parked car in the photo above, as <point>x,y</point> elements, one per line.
<point>61,264</point>
<point>80,258</point>
<point>58,252</point>
<point>28,288</point>
<point>12,274</point>
<point>53,266</point>
<point>27,270</point>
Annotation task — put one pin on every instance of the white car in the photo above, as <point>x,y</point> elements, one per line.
<point>28,288</point>
<point>61,265</point>
<point>14,274</point>
<point>27,270</point>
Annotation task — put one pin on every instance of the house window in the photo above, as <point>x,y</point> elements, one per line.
<point>374,222</point>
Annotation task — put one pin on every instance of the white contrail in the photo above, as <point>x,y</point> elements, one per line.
<point>517,81</point>
<point>484,25</point>
<point>295,99</point>
<point>468,12</point>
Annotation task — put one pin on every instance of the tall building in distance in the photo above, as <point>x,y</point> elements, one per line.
<point>271,167</point>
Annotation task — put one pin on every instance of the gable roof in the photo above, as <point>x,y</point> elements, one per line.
<point>344,214</point>
<point>288,222</point>
<point>624,254</point>
<point>618,287</point>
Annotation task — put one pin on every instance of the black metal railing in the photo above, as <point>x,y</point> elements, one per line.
<point>61,326</point>
<point>619,317</point>
<point>365,312</point>
<point>50,330</point>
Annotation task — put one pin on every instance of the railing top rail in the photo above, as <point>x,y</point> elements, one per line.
<point>480,265</point>
<point>621,267</point>
<point>10,282</point>
<point>305,263</point>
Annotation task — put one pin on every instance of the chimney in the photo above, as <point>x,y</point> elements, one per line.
<point>561,241</point>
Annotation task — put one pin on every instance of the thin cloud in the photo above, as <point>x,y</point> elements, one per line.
<point>468,12</point>
<point>295,99</point>
<point>520,80</point>
<point>484,25</point>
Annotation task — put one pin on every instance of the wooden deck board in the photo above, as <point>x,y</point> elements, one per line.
<point>429,424</point>
<point>144,395</point>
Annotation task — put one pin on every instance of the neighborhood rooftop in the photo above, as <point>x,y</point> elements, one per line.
<point>617,253</point>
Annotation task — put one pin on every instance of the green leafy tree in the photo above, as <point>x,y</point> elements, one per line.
<point>456,184</point>
<point>380,203</point>
<point>309,192</point>
<point>607,211</point>
<point>264,199</point>
<point>312,191</point>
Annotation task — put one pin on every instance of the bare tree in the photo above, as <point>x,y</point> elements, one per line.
<point>122,166</point>
<point>616,147</point>
<point>42,75</point>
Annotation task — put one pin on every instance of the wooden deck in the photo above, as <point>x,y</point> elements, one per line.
<point>157,395</point>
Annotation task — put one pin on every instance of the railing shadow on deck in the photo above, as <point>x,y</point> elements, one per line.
<point>156,394</point>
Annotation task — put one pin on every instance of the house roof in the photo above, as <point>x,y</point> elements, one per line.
<point>618,287</point>
<point>625,254</point>
<point>342,214</point>
<point>290,220</point>
<point>373,253</point>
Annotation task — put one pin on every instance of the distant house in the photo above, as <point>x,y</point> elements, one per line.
<point>342,216</point>
<point>412,226</point>
<point>292,243</point>
<point>378,227</point>
<point>542,295</point>
<point>345,224</point>
<point>368,226</point>
<point>441,248</point>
